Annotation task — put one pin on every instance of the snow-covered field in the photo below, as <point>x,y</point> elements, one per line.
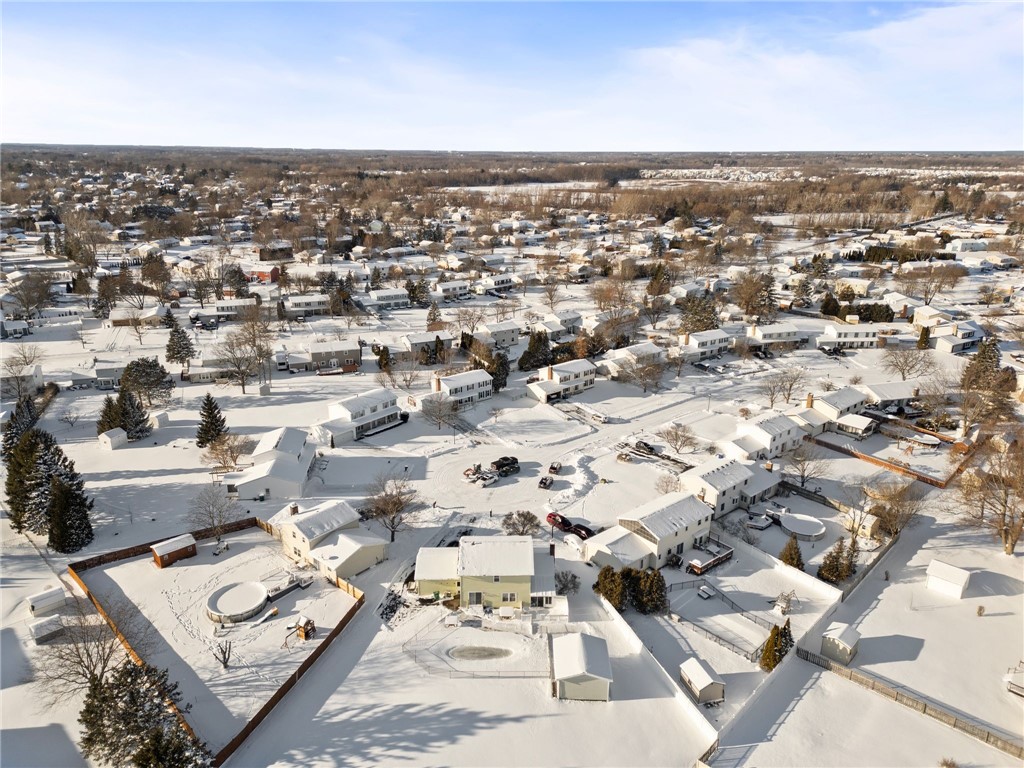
<point>174,601</point>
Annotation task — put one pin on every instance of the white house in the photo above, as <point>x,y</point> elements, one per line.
<point>352,417</point>
<point>228,308</point>
<point>947,579</point>
<point>720,484</point>
<point>890,394</point>
<point>834,405</point>
<point>451,290</point>
<point>704,344</point>
<point>466,388</point>
<point>281,462</point>
<point>562,380</point>
<point>312,304</point>
<point>580,667</point>
<point>955,337</point>
<point>501,334</point>
<point>495,283</point>
<point>615,361</point>
<point>390,298</point>
<point>927,316</point>
<point>328,537</point>
<point>774,334</point>
<point>849,336</point>
<point>859,285</point>
<point>765,437</point>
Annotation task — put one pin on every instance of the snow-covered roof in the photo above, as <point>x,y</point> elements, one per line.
<point>699,674</point>
<point>318,521</point>
<point>888,391</point>
<point>284,440</point>
<point>843,634</point>
<point>578,656</point>
<point>45,627</point>
<point>950,573</point>
<point>344,545</point>
<point>466,377</point>
<point>574,366</point>
<point>364,401</point>
<point>173,545</point>
<point>847,397</point>
<point>428,338</point>
<point>625,546</point>
<point>761,480</point>
<point>496,556</point>
<point>667,514</point>
<point>855,421</point>
<point>437,564</point>
<point>504,325</point>
<point>713,334</point>
<point>543,581</point>
<point>773,424</point>
<point>721,474</point>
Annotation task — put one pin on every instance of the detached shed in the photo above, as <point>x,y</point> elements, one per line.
<point>839,643</point>
<point>158,419</point>
<point>47,601</point>
<point>582,669</point>
<point>700,680</point>
<point>113,438</point>
<point>947,579</point>
<point>171,551</point>
<point>46,629</point>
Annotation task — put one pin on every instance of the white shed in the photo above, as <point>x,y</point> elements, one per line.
<point>158,419</point>
<point>46,629</point>
<point>46,601</point>
<point>113,438</point>
<point>839,643</point>
<point>947,579</point>
<point>581,667</point>
<point>700,680</point>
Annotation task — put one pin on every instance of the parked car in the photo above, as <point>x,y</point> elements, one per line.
<point>720,368</point>
<point>504,461</point>
<point>555,467</point>
<point>509,469</point>
<point>486,479</point>
<point>645,447</point>
<point>546,481</point>
<point>559,522</point>
<point>702,366</point>
<point>582,531</point>
<point>759,522</point>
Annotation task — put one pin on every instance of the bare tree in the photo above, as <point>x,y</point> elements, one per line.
<point>654,309</point>
<point>522,522</point>
<point>468,319</point>
<point>927,282</point>
<point>442,411</point>
<point>908,362</point>
<point>31,293</point>
<point>666,484</point>
<point>390,497</point>
<point>771,387</point>
<point>255,329</point>
<point>807,462</point>
<point>992,495</point>
<point>553,296</point>
<point>212,509</point>
<point>502,309</point>
<point>790,379</point>
<point>408,373</point>
<point>678,437</point>
<point>69,416</point>
<point>236,356</point>
<point>898,502</point>
<point>646,375</point>
<point>222,653</point>
<point>134,318</point>
<point>89,650</point>
<point>226,450</point>
<point>18,362</point>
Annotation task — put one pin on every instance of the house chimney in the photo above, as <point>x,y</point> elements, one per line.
<point>810,400</point>
<point>915,392</point>
<point>686,339</point>
<point>293,509</point>
<point>437,383</point>
<point>769,466</point>
<point>551,373</point>
<point>701,494</point>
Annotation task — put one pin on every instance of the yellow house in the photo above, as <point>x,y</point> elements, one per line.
<point>489,571</point>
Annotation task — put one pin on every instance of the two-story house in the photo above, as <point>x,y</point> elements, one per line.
<point>466,388</point>
<point>775,334</point>
<point>719,483</point>
<point>561,380</point>
<point>355,416</point>
<point>451,290</point>
<point>413,343</point>
<point>955,337</point>
<point>230,308</point>
<point>615,361</point>
<point>849,336</point>
<point>389,298</point>
<point>502,334</point>
<point>764,437</point>
<point>281,463</point>
<point>312,304</point>
<point>704,344</point>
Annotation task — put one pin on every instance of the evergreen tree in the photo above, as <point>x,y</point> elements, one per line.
<point>433,314</point>
<point>499,371</point>
<point>698,313</point>
<point>70,528</point>
<point>850,557</point>
<point>770,654</point>
<point>384,361</point>
<point>767,300</point>
<point>438,352</point>
<point>376,279</point>
<point>110,416</point>
<point>21,421</point>
<point>653,594</point>
<point>657,247</point>
<point>50,464</point>
<point>211,422</point>
<point>833,563</point>
<point>784,643</point>
<point>791,555</point>
<point>147,380</point>
<point>122,712</point>
<point>180,348</point>
<point>169,321</point>
<point>134,418</point>
<point>609,585</point>
<point>422,290</point>
<point>802,292</point>
<point>924,338</point>
<point>829,306</point>
<point>538,352</point>
<point>983,372</point>
<point>846,295</point>
<point>630,578</point>
<point>21,466</point>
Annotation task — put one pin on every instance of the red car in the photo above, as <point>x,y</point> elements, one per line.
<point>559,522</point>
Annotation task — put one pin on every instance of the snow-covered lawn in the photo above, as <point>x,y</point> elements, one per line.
<point>933,462</point>
<point>714,616</point>
<point>174,600</point>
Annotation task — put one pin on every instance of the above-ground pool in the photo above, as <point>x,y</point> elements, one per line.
<point>236,602</point>
<point>804,527</point>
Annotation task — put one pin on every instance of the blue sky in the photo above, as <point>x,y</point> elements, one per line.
<point>517,76</point>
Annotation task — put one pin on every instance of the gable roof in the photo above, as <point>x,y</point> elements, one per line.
<point>667,514</point>
<point>578,656</point>
<point>283,440</point>
<point>496,556</point>
<point>319,520</point>
<point>721,474</point>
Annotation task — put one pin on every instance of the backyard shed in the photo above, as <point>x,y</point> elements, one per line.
<point>46,601</point>
<point>171,551</point>
<point>158,419</point>
<point>46,629</point>
<point>581,667</point>
<point>839,643</point>
<point>113,438</point>
<point>700,680</point>
<point>947,579</point>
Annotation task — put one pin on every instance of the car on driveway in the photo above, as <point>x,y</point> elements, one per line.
<point>509,469</point>
<point>546,482</point>
<point>644,447</point>
<point>582,531</point>
<point>486,479</point>
<point>559,522</point>
<point>504,461</point>
<point>554,468</point>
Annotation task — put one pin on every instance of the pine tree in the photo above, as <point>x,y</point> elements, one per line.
<point>833,563</point>
<point>110,416</point>
<point>169,321</point>
<point>49,464</point>
<point>538,352</point>
<point>433,314</point>
<point>610,586</point>
<point>134,418</point>
<point>784,642</point>
<point>770,653</point>
<point>21,467</point>
<point>180,348</point>
<point>653,594</point>
<point>21,421</point>
<point>829,306</point>
<point>376,279</point>
<point>791,554</point>
<point>630,578</point>
<point>70,527</point>
<point>147,380</point>
<point>850,557</point>
<point>384,361</point>
<point>499,371</point>
<point>924,338</point>
<point>211,422</point>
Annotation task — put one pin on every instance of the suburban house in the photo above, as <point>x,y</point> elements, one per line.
<point>859,285</point>
<point>647,536</point>
<point>955,337</point>
<point>489,571</point>
<point>313,304</point>
<point>122,317</point>
<point>230,308</point>
<point>389,298</point>
<point>501,334</point>
<point>849,336</point>
<point>834,405</point>
<point>722,484</point>
<point>353,417</point>
<point>890,394</point>
<point>774,334</point>
<point>928,316</point>
<point>278,250</point>
<point>903,306</point>
<point>466,388</point>
<point>704,344</point>
<point>571,320</point>
<point>556,382</point>
<point>26,383</point>
<point>764,437</point>
<point>328,537</point>
<point>281,462</point>
<point>615,362</point>
<point>344,354</point>
<point>415,342</point>
<point>497,283</point>
<point>580,667</point>
<point>108,373</point>
<point>452,290</point>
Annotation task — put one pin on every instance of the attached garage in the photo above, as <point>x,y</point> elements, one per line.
<point>582,669</point>
<point>700,680</point>
<point>350,553</point>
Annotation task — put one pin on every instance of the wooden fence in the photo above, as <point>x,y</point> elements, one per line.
<point>930,709</point>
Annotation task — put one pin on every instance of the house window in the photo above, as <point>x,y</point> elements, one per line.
<point>497,579</point>
<point>296,551</point>
<point>476,598</point>
<point>508,597</point>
